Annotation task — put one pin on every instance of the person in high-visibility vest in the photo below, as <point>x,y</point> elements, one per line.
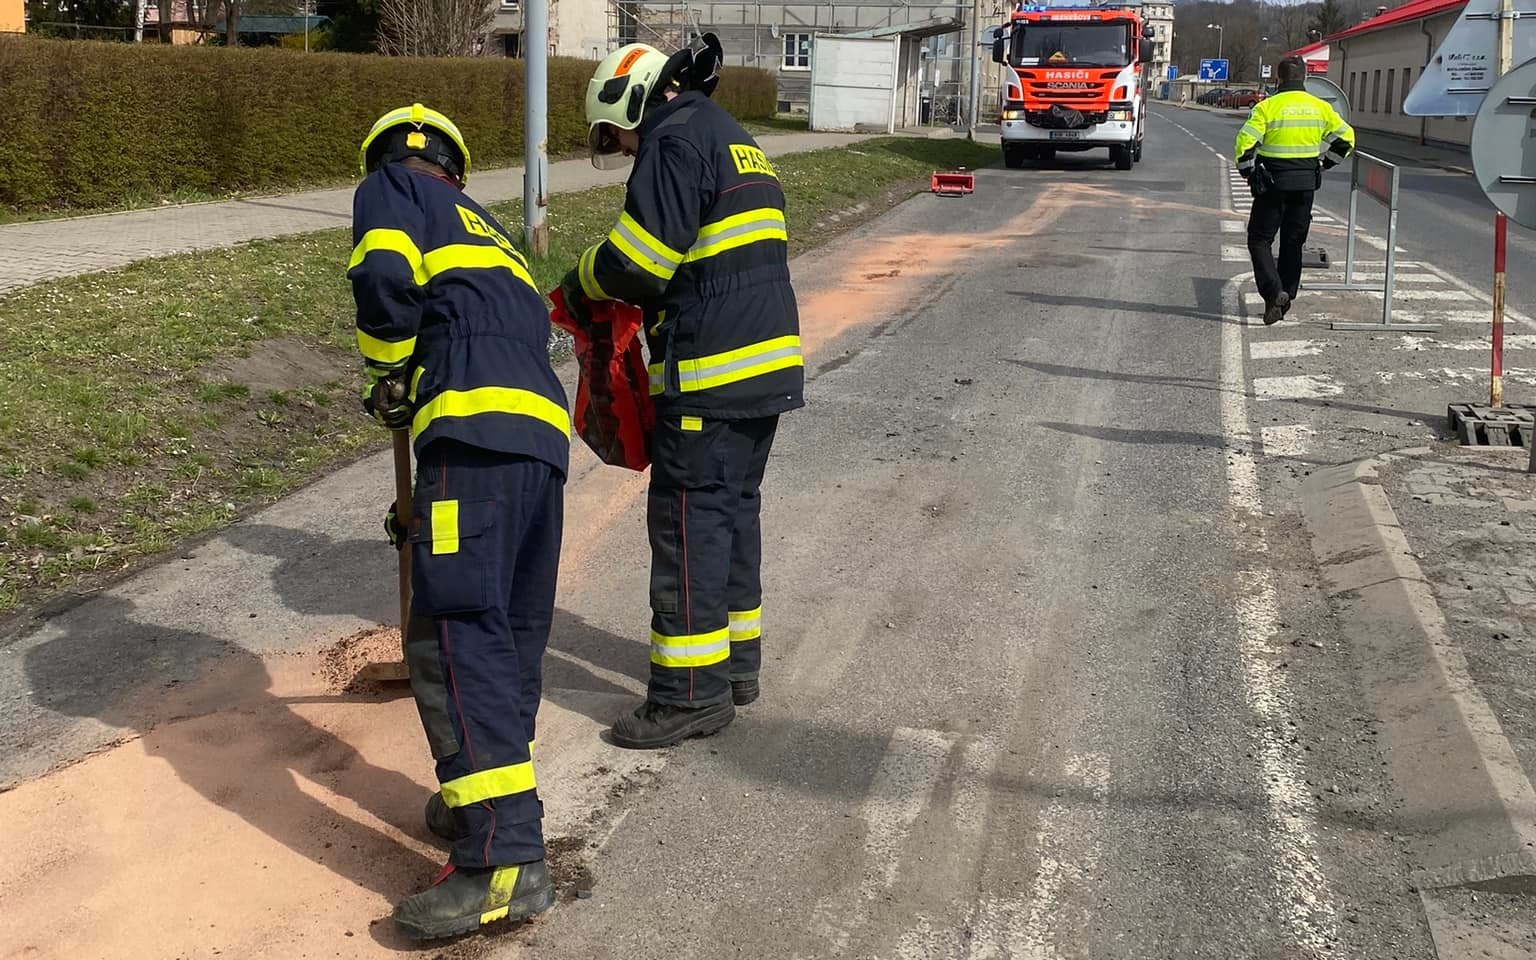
<point>1282,151</point>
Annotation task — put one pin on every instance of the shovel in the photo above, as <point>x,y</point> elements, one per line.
<point>398,671</point>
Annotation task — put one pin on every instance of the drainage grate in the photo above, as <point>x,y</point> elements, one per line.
<point>1479,425</point>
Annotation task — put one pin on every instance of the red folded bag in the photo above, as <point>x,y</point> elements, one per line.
<point>613,399</point>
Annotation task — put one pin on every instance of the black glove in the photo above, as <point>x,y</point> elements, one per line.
<point>577,306</point>
<point>1330,161</point>
<point>394,529</point>
<point>385,397</point>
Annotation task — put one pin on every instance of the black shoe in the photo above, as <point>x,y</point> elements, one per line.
<point>743,692</point>
<point>1276,308</point>
<point>440,819</point>
<point>656,725</point>
<point>465,898</point>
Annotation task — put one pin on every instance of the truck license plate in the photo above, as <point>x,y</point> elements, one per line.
<point>1066,134</point>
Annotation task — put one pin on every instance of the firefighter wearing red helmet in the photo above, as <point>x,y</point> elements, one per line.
<point>701,247</point>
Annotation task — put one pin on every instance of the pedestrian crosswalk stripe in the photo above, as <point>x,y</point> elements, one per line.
<point>1303,387</point>
<point>1232,253</point>
<point>1232,226</point>
<point>1281,349</point>
<point>1287,440</point>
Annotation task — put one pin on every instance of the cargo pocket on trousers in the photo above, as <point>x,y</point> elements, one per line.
<point>454,557</point>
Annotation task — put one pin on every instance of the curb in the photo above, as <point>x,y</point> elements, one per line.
<point>1467,804</point>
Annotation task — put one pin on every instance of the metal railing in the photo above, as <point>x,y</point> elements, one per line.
<point>1380,181</point>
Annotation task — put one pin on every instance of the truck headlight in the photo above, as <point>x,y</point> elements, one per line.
<point>1013,114</point>
<point>1120,115</point>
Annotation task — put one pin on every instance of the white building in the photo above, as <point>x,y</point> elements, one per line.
<point>1377,62</point>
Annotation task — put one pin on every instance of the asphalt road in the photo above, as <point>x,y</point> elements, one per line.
<point>1016,701</point>
<point>1443,215</point>
<point>1046,671</point>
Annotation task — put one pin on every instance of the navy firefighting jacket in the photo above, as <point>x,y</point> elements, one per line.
<point>701,247</point>
<point>441,290</point>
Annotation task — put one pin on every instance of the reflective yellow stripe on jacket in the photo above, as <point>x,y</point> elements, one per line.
<point>434,263</point>
<point>509,400</point>
<point>738,230</point>
<point>1291,125</point>
<point>732,366</point>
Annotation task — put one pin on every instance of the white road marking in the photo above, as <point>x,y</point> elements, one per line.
<point>1303,387</point>
<point>1450,295</point>
<point>907,776</point>
<point>1280,349</point>
<point>1457,376</point>
<point>1298,875</point>
<point>1232,253</point>
<point>1512,341</point>
<point>1233,226</point>
<point>1288,440</point>
<point>1336,275</point>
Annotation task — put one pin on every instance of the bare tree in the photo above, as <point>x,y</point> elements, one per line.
<point>433,28</point>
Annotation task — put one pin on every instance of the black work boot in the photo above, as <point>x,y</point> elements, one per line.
<point>656,725</point>
<point>464,898</point>
<point>1276,308</point>
<point>743,692</point>
<point>440,819</point>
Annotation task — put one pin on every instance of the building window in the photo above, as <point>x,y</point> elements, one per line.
<point>509,6</point>
<point>1376,92</point>
<point>511,45</point>
<point>797,51</point>
<point>1407,84</point>
<point>1391,86</point>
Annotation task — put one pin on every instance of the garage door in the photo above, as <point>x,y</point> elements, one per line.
<point>853,83</point>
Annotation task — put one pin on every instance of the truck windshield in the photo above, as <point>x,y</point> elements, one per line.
<point>1091,45</point>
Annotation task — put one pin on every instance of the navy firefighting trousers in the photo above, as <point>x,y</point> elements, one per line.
<point>706,555</point>
<point>485,552</point>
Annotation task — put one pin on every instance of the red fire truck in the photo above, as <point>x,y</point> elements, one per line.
<point>1073,81</point>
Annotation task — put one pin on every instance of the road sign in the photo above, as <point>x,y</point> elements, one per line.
<point>1265,71</point>
<point>1324,89</point>
<point>1213,70</point>
<point>1504,145</point>
<point>1455,82</point>
<point>1173,72</point>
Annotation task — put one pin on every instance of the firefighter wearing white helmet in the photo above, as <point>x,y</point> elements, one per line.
<point>454,338</point>
<point>701,247</point>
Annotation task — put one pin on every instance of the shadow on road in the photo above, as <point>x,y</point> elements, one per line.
<point>320,576</point>
<point>239,746</point>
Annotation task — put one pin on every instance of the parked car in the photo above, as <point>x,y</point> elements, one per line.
<point>1208,98</point>
<point>1244,100</point>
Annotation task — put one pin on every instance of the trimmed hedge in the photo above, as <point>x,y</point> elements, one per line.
<point>93,124</point>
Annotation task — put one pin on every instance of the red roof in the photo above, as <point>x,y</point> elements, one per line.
<point>1407,13</point>
<point>1307,50</point>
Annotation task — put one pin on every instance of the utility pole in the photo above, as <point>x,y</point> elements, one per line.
<point>975,68</point>
<point>536,126</point>
<point>1501,225</point>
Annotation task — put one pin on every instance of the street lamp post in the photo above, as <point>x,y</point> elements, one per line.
<point>1221,34</point>
<point>1262,42</point>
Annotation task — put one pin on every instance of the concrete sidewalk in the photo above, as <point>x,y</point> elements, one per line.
<point>48,249</point>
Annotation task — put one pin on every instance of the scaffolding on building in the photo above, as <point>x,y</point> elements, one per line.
<point>759,34</point>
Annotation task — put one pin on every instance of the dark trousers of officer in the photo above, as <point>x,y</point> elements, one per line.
<point>703,515</point>
<point>1288,213</point>
<point>485,553</point>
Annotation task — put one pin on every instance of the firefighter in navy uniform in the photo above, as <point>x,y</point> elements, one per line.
<point>701,247</point>
<point>454,337</point>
